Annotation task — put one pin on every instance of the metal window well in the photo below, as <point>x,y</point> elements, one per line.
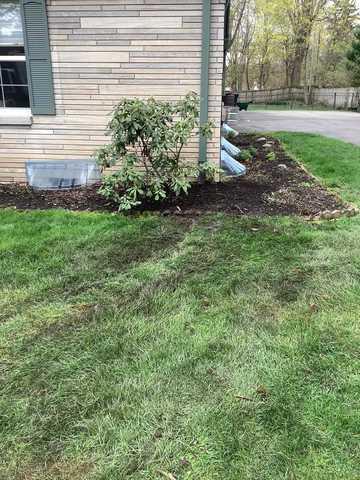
<point>64,174</point>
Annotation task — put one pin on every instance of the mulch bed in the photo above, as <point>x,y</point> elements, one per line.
<point>271,187</point>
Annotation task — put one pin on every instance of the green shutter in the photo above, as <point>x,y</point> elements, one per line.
<point>38,57</point>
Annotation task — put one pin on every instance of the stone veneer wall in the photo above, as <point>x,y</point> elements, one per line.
<point>103,50</point>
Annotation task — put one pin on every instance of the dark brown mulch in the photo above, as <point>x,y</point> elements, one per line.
<point>270,187</point>
<point>25,198</point>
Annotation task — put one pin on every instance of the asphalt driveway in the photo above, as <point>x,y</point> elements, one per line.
<point>342,125</point>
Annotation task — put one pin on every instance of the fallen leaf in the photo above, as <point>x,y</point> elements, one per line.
<point>313,307</point>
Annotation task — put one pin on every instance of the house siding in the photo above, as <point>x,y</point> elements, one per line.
<point>104,50</point>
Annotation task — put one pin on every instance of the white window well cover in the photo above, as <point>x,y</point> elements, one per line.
<point>64,174</point>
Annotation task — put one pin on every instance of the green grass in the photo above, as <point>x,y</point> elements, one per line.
<point>335,162</point>
<point>139,347</point>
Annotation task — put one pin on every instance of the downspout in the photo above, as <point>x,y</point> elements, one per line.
<point>204,83</point>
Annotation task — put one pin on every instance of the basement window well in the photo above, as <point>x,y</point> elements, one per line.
<point>61,175</point>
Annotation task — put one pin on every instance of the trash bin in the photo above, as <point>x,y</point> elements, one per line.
<point>230,99</point>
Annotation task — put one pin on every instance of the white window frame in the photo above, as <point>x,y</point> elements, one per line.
<point>8,59</point>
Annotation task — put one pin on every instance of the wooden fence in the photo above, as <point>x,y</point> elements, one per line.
<point>336,98</point>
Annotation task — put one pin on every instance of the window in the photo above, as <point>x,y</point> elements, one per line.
<point>14,91</point>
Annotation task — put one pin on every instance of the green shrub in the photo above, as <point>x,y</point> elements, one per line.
<point>271,156</point>
<point>147,140</point>
<point>209,171</point>
<point>244,155</point>
<point>253,151</point>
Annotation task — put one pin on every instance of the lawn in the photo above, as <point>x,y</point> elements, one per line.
<point>337,163</point>
<point>153,348</point>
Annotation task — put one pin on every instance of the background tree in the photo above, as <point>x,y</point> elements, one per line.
<point>243,20</point>
<point>265,46</point>
<point>353,57</point>
<point>302,16</point>
<point>288,43</point>
<point>336,33</point>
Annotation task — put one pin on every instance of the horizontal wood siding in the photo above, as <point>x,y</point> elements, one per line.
<point>103,50</point>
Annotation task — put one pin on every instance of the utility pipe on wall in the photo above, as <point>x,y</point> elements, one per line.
<point>204,87</point>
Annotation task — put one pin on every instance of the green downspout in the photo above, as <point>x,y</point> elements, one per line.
<point>204,87</point>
